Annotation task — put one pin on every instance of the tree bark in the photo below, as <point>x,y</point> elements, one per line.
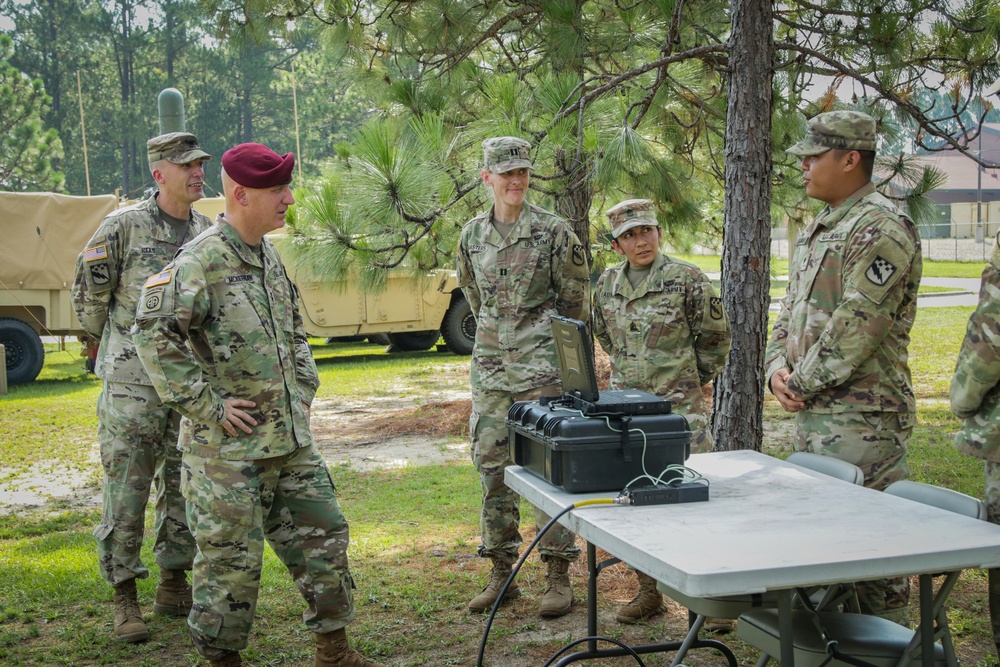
<point>737,414</point>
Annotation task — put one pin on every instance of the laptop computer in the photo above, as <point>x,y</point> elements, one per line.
<point>574,346</point>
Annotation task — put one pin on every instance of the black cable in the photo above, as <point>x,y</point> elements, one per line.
<point>621,645</point>
<point>510,580</point>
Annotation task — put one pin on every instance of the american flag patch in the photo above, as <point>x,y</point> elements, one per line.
<point>95,253</point>
<point>159,279</point>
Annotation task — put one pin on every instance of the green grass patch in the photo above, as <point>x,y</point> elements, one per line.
<point>414,530</point>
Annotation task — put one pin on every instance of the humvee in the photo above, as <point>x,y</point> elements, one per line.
<point>43,234</point>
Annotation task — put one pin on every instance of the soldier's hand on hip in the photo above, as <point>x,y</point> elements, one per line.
<point>237,418</point>
<point>786,397</point>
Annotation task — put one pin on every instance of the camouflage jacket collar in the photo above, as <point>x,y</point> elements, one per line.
<point>248,254</point>
<point>652,283</point>
<point>520,230</point>
<point>831,217</point>
<point>160,229</point>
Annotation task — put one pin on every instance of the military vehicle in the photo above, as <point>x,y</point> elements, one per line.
<point>43,234</point>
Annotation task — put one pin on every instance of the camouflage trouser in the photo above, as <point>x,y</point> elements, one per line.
<point>501,515</point>
<point>875,442</point>
<point>993,516</point>
<point>138,438</point>
<point>233,506</point>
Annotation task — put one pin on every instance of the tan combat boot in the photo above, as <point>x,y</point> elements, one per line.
<point>173,594</point>
<point>332,650</point>
<point>230,659</point>
<point>646,604</point>
<point>129,626</point>
<point>498,577</point>
<point>558,596</point>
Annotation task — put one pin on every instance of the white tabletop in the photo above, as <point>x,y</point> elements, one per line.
<point>771,525</point>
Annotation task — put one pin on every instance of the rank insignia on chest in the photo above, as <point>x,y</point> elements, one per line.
<point>880,271</point>
<point>161,278</point>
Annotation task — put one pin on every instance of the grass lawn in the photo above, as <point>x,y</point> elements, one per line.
<point>414,531</point>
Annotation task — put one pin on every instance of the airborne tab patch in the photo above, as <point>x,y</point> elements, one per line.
<point>95,253</point>
<point>161,278</point>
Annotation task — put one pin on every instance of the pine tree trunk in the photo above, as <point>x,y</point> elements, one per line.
<point>737,415</point>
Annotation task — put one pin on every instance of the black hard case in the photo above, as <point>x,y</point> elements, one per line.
<point>584,454</point>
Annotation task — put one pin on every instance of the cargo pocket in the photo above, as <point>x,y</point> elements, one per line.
<point>206,624</point>
<point>223,518</point>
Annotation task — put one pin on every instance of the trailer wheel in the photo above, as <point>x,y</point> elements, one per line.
<point>24,351</point>
<point>413,341</point>
<point>458,327</point>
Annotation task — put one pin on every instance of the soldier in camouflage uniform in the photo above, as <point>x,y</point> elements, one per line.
<point>221,336</point>
<point>838,355</point>
<point>975,397</point>
<point>137,432</point>
<point>663,325</point>
<point>517,265</point>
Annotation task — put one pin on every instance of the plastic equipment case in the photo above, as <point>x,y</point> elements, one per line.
<point>583,454</point>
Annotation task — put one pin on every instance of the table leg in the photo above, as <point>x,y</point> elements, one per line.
<point>592,652</point>
<point>785,628</point>
<point>926,620</point>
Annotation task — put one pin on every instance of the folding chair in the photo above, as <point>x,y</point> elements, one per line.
<point>841,639</point>
<point>701,609</point>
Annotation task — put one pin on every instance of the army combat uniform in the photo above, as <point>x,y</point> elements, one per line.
<point>513,285</point>
<point>222,321</point>
<point>843,331</point>
<point>137,432</point>
<point>669,336</point>
<point>975,397</point>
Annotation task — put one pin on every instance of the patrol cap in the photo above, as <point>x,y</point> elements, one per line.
<point>502,154</point>
<point>257,166</point>
<point>847,130</point>
<point>631,213</point>
<point>176,147</point>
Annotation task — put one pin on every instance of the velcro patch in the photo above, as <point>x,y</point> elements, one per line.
<point>95,253</point>
<point>152,300</point>
<point>880,271</point>
<point>161,278</point>
<point>233,280</point>
<point>578,256</point>
<point>715,308</point>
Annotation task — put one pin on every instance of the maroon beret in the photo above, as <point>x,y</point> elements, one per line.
<point>257,166</point>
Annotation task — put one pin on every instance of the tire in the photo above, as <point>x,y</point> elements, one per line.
<point>378,339</point>
<point>413,341</point>
<point>24,351</point>
<point>458,327</point>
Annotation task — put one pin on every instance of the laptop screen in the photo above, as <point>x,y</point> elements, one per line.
<point>576,358</point>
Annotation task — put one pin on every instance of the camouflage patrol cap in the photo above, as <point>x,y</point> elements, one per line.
<point>176,147</point>
<point>502,154</point>
<point>847,130</point>
<point>629,214</point>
